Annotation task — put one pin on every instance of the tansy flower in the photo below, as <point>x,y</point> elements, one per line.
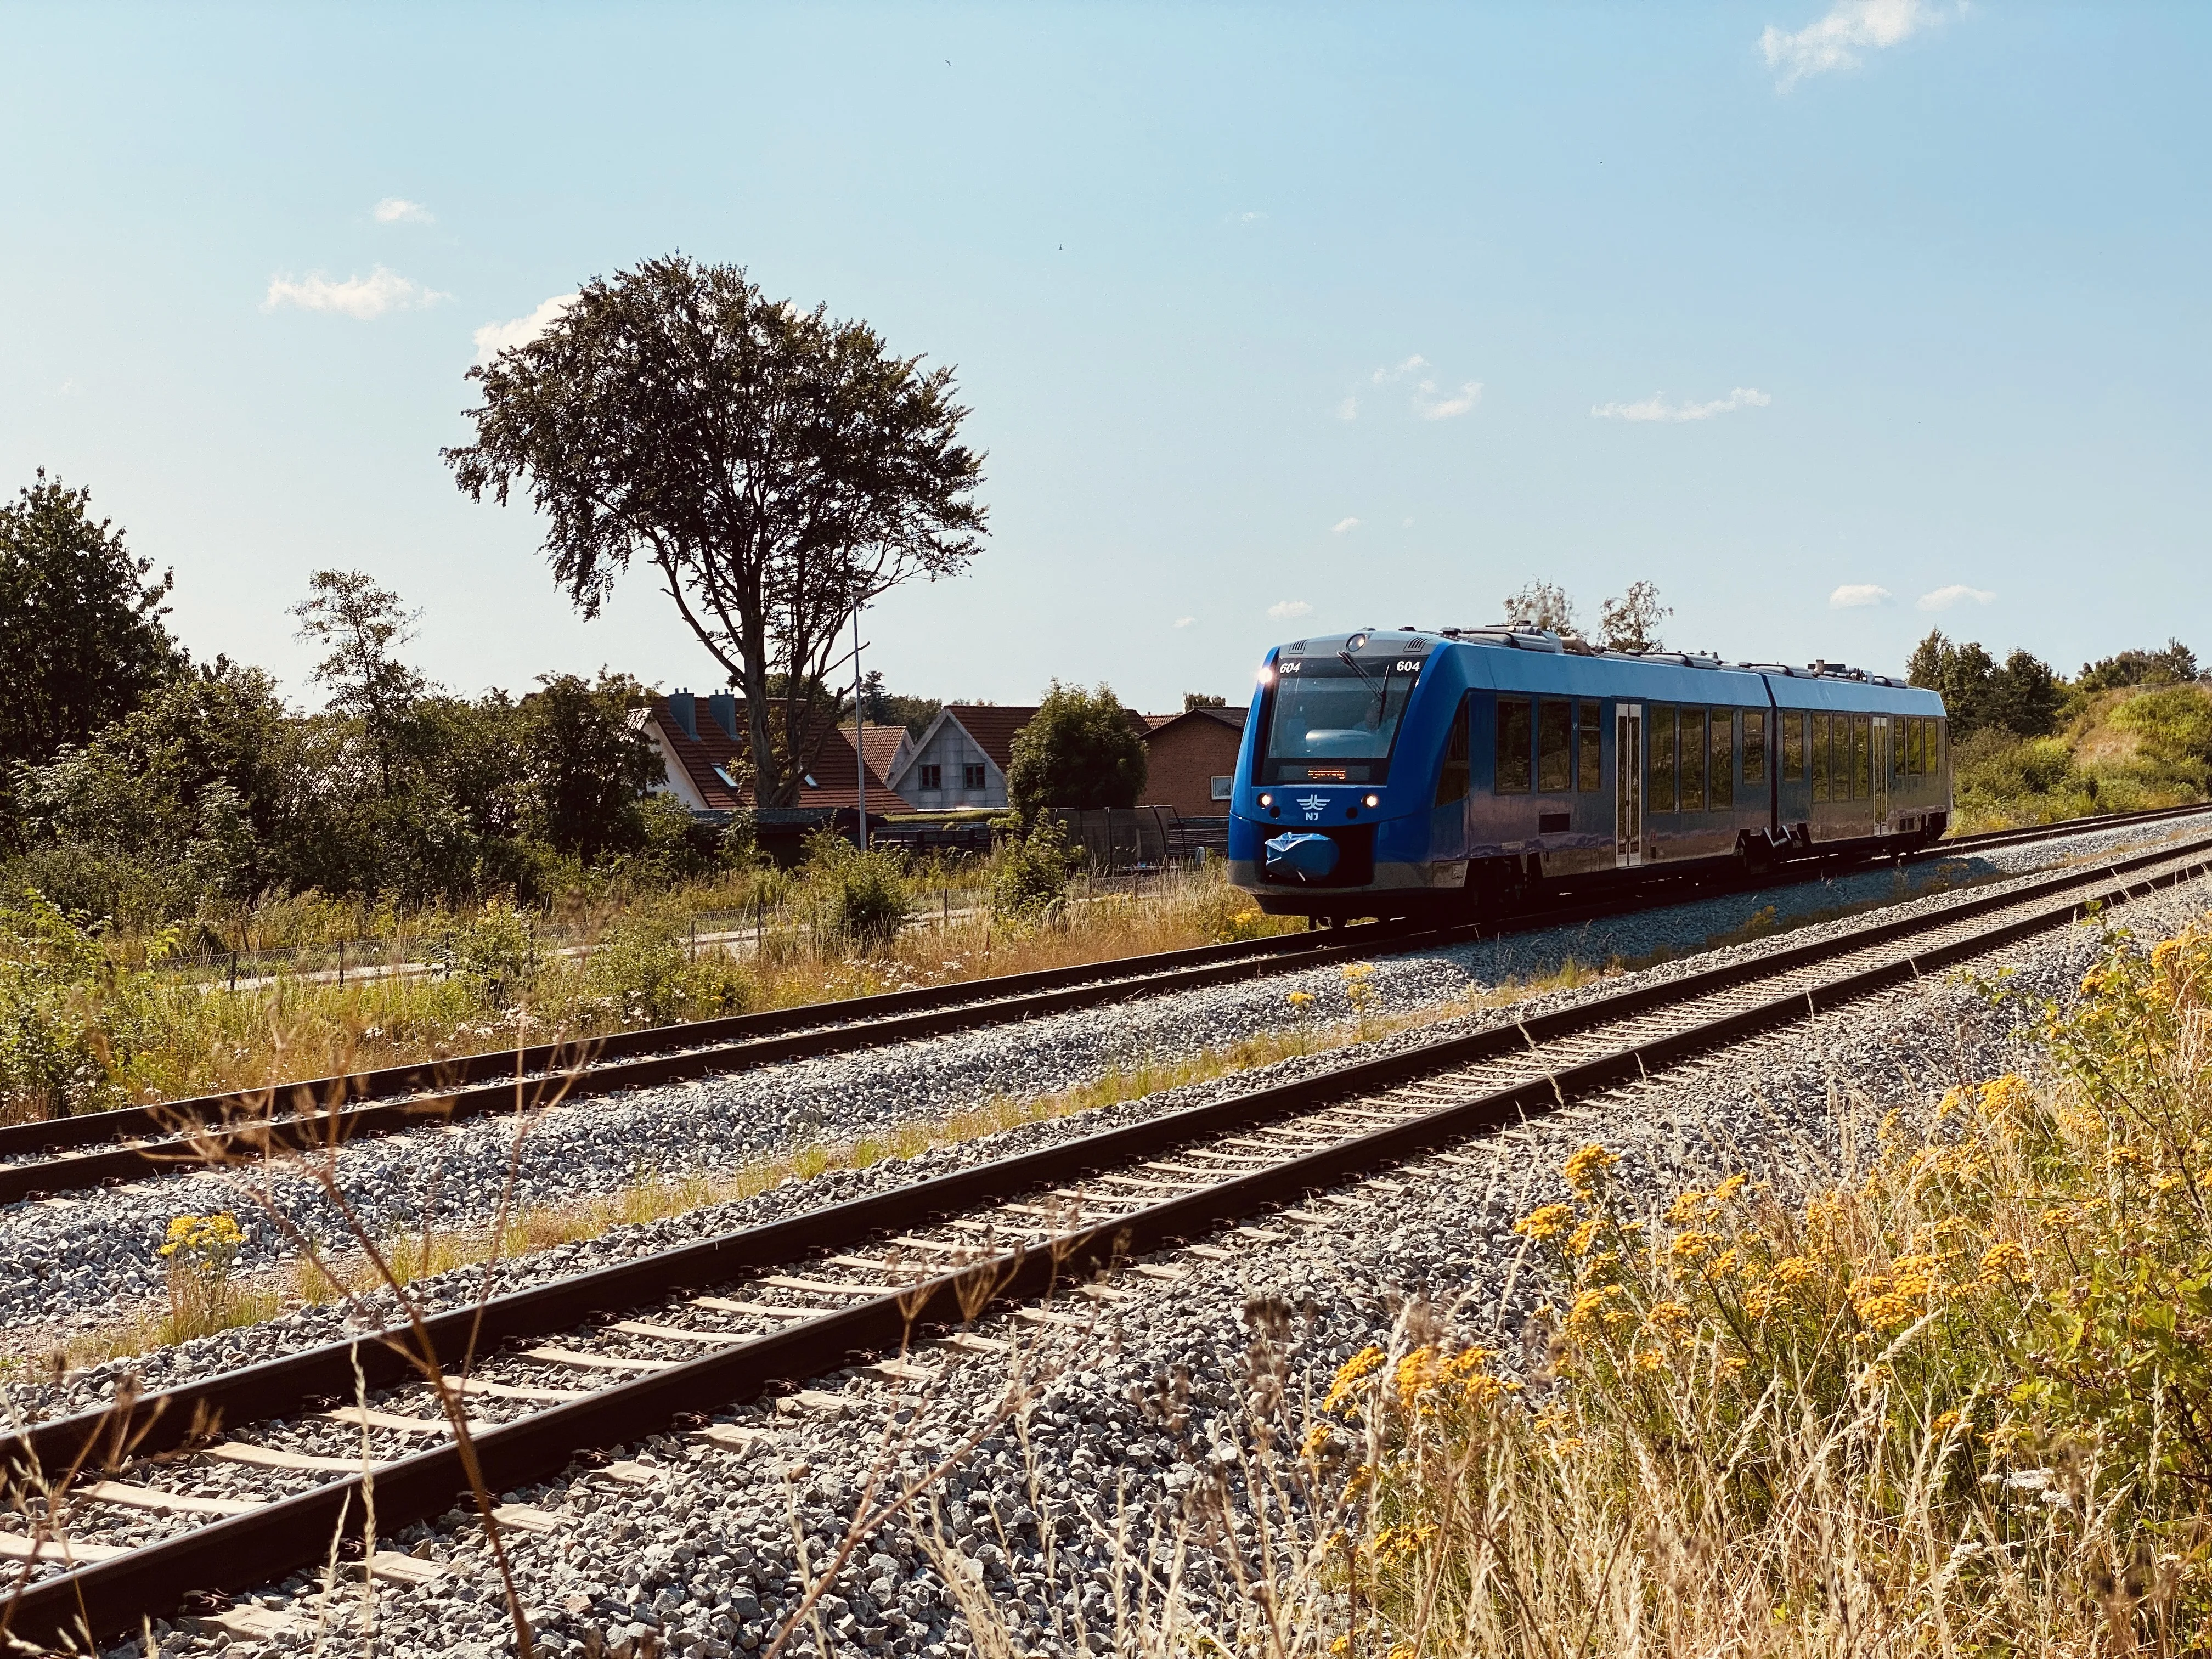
<point>1586,1168</point>
<point>1547,1223</point>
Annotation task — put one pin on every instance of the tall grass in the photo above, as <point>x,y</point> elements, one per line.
<point>90,1017</point>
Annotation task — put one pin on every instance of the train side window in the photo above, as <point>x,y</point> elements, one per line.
<point>1659,744</point>
<point>1793,746</point>
<point>1897,749</point>
<point>1923,744</point>
<point>1754,745</point>
<point>1821,758</point>
<point>1589,763</point>
<point>1724,753</point>
<point>1908,746</point>
<point>1452,776</point>
<point>1694,760</point>
<point>1516,738</point>
<point>1555,746</point>
<point>1943,742</point>
<point>1862,757</point>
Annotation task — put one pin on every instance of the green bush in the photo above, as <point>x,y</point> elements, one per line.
<point>641,973</point>
<point>1029,872</point>
<point>72,1018</point>
<point>493,952</point>
<point>1081,749</point>
<point>860,900</point>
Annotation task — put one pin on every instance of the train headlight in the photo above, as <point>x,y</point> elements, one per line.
<point>1370,802</point>
<point>1267,800</point>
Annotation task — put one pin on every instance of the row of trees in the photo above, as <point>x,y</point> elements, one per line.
<point>138,780</point>
<point>2023,695</point>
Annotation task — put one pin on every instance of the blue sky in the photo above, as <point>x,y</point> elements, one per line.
<point>1272,318</point>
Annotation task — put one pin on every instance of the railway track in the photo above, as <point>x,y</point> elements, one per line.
<point>111,1148</point>
<point>240,1478</point>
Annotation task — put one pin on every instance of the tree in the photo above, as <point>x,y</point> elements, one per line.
<point>2022,696</point>
<point>2025,696</point>
<point>1541,604</point>
<point>776,467</point>
<point>2170,666</point>
<point>1630,622</point>
<point>588,764</point>
<point>82,638</point>
<point>884,708</point>
<point>1202,700</point>
<point>358,624</point>
<point>192,787</point>
<point>1081,751</point>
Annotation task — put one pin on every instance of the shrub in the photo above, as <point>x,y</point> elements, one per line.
<point>860,900</point>
<point>1029,872</point>
<point>492,950</point>
<point>72,1017</point>
<point>641,973</point>
<point>1081,749</point>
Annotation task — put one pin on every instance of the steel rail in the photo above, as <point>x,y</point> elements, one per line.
<point>131,1143</point>
<point>110,1596</point>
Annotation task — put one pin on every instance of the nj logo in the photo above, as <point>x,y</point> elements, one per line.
<point>1312,805</point>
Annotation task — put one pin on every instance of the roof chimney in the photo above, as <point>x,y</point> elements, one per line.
<point>723,708</point>
<point>684,709</point>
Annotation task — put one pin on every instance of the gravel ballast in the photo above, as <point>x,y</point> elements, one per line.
<point>1139,1414</point>
<point>74,1262</point>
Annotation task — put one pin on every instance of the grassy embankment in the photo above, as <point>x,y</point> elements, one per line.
<point>1959,1402</point>
<point>2114,751</point>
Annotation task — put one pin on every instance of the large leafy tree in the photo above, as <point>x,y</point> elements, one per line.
<point>1080,751</point>
<point>777,468</point>
<point>2021,695</point>
<point>82,638</point>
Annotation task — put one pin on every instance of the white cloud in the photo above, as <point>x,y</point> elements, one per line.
<point>397,210</point>
<point>360,297</point>
<point>495,337</point>
<point>1407,525</point>
<point>1250,218</point>
<point>1836,40</point>
<point>1430,406</point>
<point>1429,402</point>
<point>1348,410</point>
<point>1944,597</point>
<point>1343,525</point>
<point>1185,622</point>
<point>1656,408</point>
<point>1413,365</point>
<point>1284,610</point>
<point>1852,596</point>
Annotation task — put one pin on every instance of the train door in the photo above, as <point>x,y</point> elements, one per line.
<point>1627,785</point>
<point>1881,774</point>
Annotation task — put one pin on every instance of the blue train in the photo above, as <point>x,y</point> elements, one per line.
<point>1453,772</point>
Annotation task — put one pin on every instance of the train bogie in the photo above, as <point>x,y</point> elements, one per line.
<point>1406,773</point>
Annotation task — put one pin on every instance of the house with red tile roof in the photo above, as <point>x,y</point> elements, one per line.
<point>886,747</point>
<point>962,760</point>
<point>703,747</point>
<point>1191,760</point>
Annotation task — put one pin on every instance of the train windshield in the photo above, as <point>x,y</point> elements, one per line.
<point>1335,717</point>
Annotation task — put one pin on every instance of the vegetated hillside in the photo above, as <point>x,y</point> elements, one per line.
<point>2111,750</point>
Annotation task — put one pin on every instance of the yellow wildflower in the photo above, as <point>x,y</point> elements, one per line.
<point>1547,1223</point>
<point>1686,1208</point>
<point>1351,1375</point>
<point>1586,1169</point>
